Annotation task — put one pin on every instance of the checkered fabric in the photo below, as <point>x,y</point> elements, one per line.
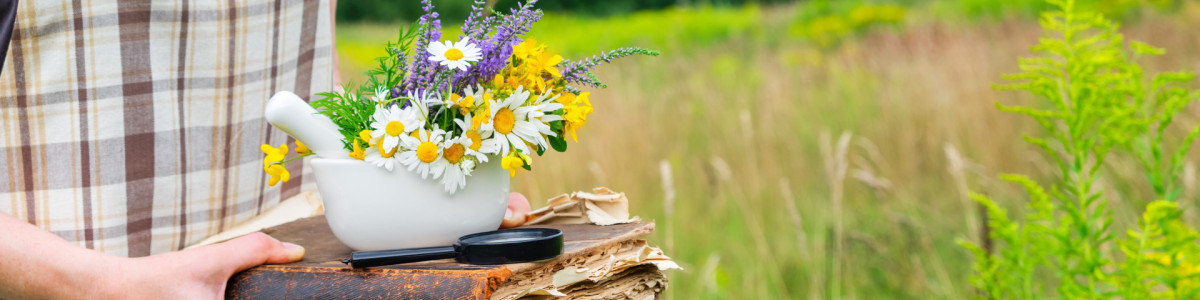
<point>133,128</point>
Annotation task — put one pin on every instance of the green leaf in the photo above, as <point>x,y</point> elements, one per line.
<point>559,143</point>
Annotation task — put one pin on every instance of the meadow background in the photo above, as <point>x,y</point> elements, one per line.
<point>812,149</point>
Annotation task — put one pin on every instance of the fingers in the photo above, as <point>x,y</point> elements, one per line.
<point>251,250</point>
<point>518,206</point>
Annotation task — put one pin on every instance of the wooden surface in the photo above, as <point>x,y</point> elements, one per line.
<point>322,275</point>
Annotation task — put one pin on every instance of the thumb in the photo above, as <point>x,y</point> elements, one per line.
<point>518,207</point>
<point>250,251</point>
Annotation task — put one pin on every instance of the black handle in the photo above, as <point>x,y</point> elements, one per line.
<point>365,259</point>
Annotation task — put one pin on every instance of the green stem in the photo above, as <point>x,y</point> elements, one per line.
<point>291,159</point>
<point>389,101</point>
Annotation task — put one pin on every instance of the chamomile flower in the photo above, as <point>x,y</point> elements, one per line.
<point>513,125</point>
<point>458,162</point>
<point>455,55</point>
<point>481,140</point>
<point>384,158</point>
<point>423,153</point>
<point>392,123</point>
<point>381,93</point>
<point>422,101</point>
<point>545,103</point>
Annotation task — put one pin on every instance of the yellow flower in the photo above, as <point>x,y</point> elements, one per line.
<point>575,111</point>
<point>278,173</point>
<point>358,153</point>
<point>527,48</point>
<point>547,62</point>
<point>484,117</point>
<point>302,149</point>
<point>365,136</point>
<point>512,162</point>
<point>464,104</point>
<point>511,165</point>
<point>498,81</point>
<point>274,155</point>
<point>565,99</point>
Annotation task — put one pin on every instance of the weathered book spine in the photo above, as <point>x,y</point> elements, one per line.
<point>284,282</point>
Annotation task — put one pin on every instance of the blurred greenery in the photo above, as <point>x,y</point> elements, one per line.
<point>388,11</point>
<point>745,111</point>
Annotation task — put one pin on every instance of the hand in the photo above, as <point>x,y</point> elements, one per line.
<point>200,273</point>
<point>40,265</point>
<point>518,206</point>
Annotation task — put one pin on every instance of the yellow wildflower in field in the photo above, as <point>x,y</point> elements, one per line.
<point>1182,268</point>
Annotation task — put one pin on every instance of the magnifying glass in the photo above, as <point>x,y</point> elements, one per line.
<point>484,248</point>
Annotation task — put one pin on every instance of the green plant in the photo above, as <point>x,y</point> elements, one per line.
<point>1095,104</point>
<point>351,109</point>
<point>828,23</point>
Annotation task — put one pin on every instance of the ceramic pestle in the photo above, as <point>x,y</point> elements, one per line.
<point>295,117</point>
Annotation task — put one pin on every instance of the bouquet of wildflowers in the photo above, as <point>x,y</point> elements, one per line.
<point>443,108</point>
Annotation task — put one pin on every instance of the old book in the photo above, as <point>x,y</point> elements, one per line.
<point>599,262</point>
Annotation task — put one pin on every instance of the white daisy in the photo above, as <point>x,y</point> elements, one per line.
<point>457,154</point>
<point>454,55</point>
<point>545,103</point>
<point>422,101</point>
<point>424,153</point>
<point>392,123</point>
<point>381,93</point>
<point>377,157</point>
<point>481,140</point>
<point>515,123</point>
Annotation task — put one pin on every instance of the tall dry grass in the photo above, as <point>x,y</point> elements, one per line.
<point>721,145</point>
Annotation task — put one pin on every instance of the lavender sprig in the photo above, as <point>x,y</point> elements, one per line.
<point>423,70</point>
<point>498,49</point>
<point>581,71</point>
<point>476,25</point>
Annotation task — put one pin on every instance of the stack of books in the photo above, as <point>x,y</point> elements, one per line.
<point>598,262</point>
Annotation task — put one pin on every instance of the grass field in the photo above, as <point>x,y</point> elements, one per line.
<point>775,168</point>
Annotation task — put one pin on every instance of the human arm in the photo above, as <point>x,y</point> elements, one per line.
<point>35,264</point>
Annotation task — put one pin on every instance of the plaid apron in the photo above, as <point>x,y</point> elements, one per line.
<point>133,128</point>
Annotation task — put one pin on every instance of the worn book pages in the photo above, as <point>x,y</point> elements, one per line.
<point>609,269</point>
<point>602,206</point>
<point>625,270</point>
